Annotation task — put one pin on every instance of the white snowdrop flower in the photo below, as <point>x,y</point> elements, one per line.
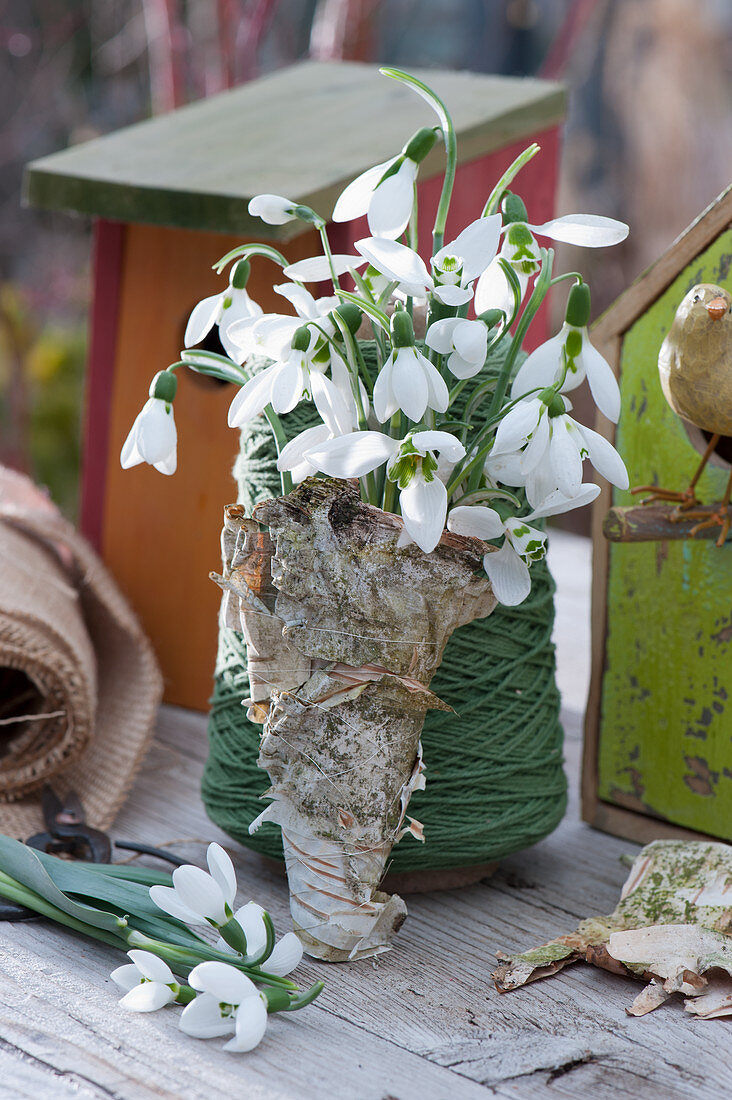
<point>286,956</point>
<point>197,897</point>
<point>287,952</point>
<point>223,309</point>
<point>508,567</point>
<point>521,249</point>
<point>147,982</point>
<point>284,383</point>
<point>412,464</point>
<point>228,1002</point>
<point>385,193</point>
<point>407,380</point>
<point>555,445</point>
<point>454,267</point>
<point>337,408</point>
<point>153,437</point>
<point>317,269</point>
<point>270,334</point>
<point>570,354</point>
<point>249,917</point>
<point>273,209</point>
<point>464,342</point>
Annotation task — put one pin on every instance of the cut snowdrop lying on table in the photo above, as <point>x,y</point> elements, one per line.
<point>228,988</point>
<point>459,429</point>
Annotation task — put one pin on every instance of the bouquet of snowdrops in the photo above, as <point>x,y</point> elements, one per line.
<point>228,987</point>
<point>453,430</point>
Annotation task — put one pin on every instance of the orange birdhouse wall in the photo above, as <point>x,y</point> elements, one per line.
<point>160,535</point>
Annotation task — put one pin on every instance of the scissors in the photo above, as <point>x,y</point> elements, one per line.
<point>68,834</point>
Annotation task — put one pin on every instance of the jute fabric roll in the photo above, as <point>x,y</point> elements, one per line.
<point>79,683</point>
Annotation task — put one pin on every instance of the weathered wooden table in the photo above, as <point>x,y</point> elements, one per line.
<point>423,1022</point>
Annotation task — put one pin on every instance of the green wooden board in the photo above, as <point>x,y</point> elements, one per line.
<point>303,132</point>
<point>666,714</point>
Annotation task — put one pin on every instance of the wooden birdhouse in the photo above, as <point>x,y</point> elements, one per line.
<point>658,748</point>
<point>169,197</point>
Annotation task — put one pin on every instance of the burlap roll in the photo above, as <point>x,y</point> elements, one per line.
<point>79,684</point>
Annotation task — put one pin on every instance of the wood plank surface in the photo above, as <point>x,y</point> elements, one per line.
<point>422,1022</point>
<point>197,167</point>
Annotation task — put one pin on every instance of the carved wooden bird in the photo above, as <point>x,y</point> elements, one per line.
<point>695,367</point>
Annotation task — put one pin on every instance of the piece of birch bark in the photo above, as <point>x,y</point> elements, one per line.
<point>672,928</point>
<point>344,630</point>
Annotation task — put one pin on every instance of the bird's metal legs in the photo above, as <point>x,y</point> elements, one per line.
<point>687,498</point>
<point>721,517</point>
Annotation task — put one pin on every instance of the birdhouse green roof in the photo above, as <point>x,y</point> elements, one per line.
<point>303,132</point>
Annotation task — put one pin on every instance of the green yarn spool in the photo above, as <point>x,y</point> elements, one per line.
<point>495,782</point>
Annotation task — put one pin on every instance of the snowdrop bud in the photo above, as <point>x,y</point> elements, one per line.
<point>402,330</point>
<point>420,144</point>
<point>351,315</point>
<point>301,339</point>
<point>164,386</point>
<point>491,317</point>
<point>240,274</point>
<point>513,209</point>
<point>273,209</point>
<point>578,307</point>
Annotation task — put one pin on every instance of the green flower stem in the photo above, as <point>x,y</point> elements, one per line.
<point>438,233</point>
<point>541,286</point>
<point>389,504</point>
<point>396,431</point>
<point>413,238</point>
<point>448,134</point>
<point>474,460</point>
<point>458,389</point>
<point>567,275</point>
<point>13,890</point>
<point>482,495</point>
<point>185,958</point>
<point>329,255</point>
<point>379,338</point>
<point>494,199</point>
<point>185,995</point>
<point>280,440</point>
<point>305,998</point>
<point>261,956</point>
<point>247,250</point>
<point>354,360</point>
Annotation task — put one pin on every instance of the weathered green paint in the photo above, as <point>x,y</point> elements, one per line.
<point>666,720</point>
<point>305,131</point>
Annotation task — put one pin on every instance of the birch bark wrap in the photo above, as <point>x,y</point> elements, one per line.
<point>344,631</point>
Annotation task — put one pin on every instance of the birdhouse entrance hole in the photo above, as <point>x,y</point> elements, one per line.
<point>210,342</point>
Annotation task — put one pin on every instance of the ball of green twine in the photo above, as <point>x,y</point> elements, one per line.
<point>495,782</point>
